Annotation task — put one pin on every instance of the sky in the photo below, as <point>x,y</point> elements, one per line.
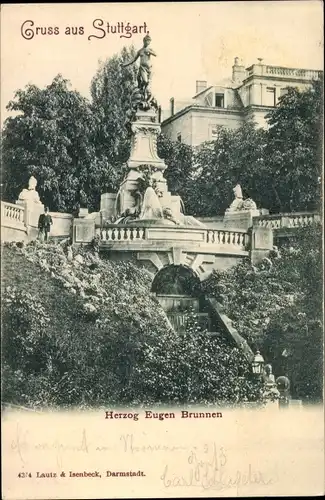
<point>193,41</point>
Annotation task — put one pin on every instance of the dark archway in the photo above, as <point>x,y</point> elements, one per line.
<point>178,290</point>
<point>176,280</point>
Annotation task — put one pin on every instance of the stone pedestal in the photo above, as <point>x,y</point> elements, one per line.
<point>143,155</point>
<point>243,219</point>
<point>144,141</point>
<point>261,243</point>
<point>107,205</point>
<point>32,212</point>
<point>83,230</point>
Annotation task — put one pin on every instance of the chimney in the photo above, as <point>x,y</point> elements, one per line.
<point>238,71</point>
<point>172,106</point>
<point>201,85</point>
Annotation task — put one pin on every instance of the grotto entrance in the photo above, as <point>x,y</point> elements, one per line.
<point>178,290</point>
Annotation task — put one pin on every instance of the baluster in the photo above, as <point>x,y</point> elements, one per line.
<point>102,234</point>
<point>110,234</point>
<point>141,233</point>
<point>214,237</point>
<point>208,236</point>
<point>221,237</point>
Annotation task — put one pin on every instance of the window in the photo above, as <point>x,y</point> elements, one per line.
<point>219,100</point>
<point>270,97</point>
<point>179,137</point>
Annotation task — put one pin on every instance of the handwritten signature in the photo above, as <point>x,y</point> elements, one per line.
<point>210,473</point>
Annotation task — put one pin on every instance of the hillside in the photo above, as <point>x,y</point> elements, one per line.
<point>86,332</point>
<point>76,304</point>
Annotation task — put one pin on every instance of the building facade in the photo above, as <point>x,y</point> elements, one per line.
<point>249,95</point>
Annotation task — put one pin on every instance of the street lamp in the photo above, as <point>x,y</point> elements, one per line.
<point>258,363</point>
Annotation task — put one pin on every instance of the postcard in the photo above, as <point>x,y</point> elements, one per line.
<point>161,250</point>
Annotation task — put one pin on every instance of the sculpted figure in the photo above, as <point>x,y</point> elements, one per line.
<point>144,71</point>
<point>151,207</point>
<point>237,204</point>
<point>30,194</point>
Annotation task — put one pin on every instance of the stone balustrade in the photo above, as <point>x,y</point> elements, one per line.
<point>286,220</point>
<point>306,74</point>
<point>231,238</point>
<point>12,213</point>
<point>235,239</point>
<point>120,233</point>
<point>280,71</point>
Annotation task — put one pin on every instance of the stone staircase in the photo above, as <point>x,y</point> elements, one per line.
<point>209,314</point>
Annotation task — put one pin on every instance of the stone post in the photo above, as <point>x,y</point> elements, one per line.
<point>107,205</point>
<point>261,243</point>
<point>32,212</point>
<point>243,219</point>
<point>83,230</point>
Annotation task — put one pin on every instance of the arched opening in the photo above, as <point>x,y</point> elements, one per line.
<point>178,290</point>
<point>176,280</point>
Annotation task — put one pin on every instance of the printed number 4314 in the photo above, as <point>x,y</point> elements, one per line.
<point>24,474</point>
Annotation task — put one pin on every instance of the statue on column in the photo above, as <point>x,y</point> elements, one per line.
<point>142,95</point>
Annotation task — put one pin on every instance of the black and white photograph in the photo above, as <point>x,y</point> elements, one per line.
<point>162,249</point>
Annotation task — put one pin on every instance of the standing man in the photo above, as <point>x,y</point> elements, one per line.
<point>44,224</point>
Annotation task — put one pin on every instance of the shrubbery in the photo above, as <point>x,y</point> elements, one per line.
<point>277,307</point>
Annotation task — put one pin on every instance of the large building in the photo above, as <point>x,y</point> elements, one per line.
<point>250,94</point>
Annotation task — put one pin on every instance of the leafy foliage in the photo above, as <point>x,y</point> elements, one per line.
<point>294,149</point>
<point>51,138</point>
<point>277,307</point>
<point>221,164</point>
<point>279,168</point>
<point>111,89</point>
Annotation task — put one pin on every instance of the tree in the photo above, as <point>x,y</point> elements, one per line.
<point>179,160</point>
<point>236,156</point>
<point>294,150</point>
<point>51,138</point>
<point>111,90</point>
<point>279,168</point>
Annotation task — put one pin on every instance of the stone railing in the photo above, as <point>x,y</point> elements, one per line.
<point>231,238</point>
<point>306,74</point>
<point>234,239</point>
<point>282,72</point>
<point>121,233</point>
<point>287,220</point>
<point>11,213</point>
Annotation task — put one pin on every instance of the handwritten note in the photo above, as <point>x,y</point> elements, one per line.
<point>70,455</point>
